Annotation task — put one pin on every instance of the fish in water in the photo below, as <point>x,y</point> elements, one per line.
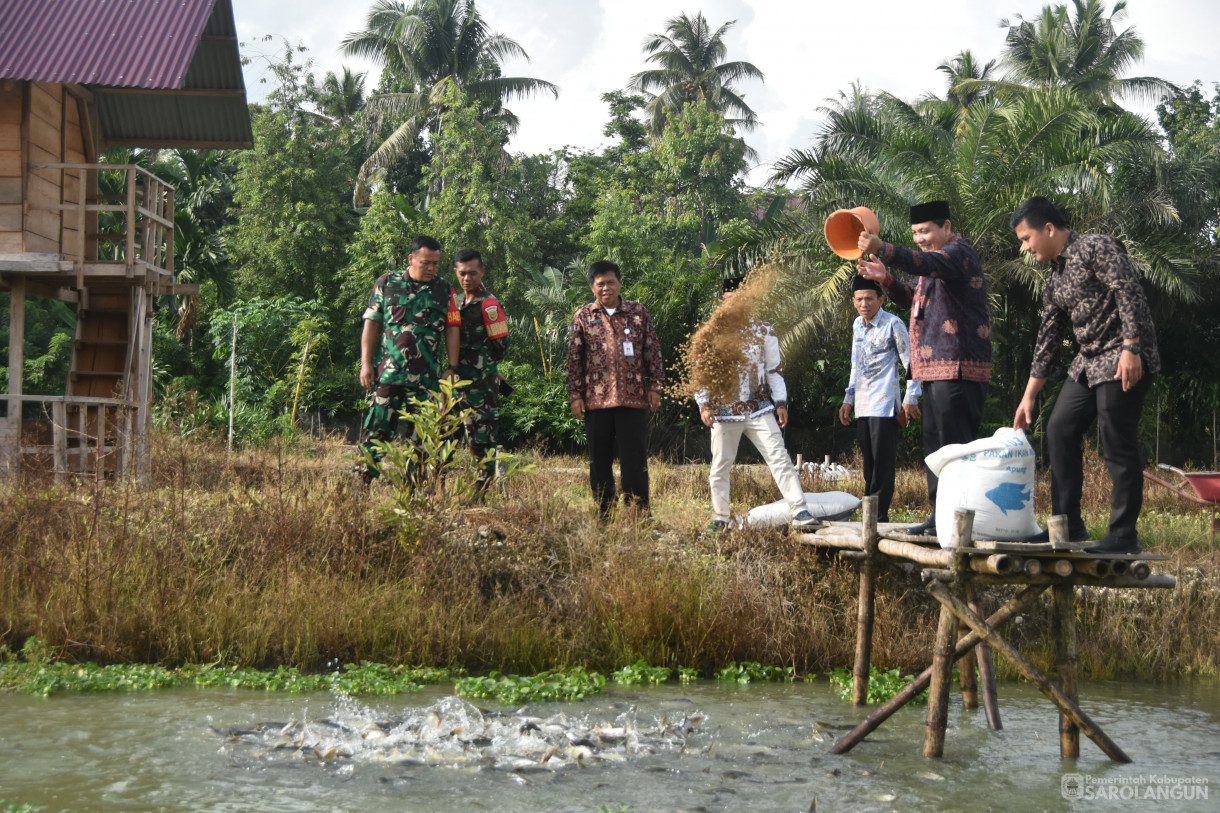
<point>454,733</point>
<point>1009,497</point>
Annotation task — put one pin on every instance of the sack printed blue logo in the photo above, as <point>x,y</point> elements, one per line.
<point>1009,497</point>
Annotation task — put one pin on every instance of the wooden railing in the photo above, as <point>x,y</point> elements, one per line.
<point>143,235</point>
<point>88,435</point>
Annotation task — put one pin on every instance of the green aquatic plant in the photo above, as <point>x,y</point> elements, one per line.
<point>882,684</point>
<point>640,672</point>
<point>686,674</point>
<point>748,671</point>
<point>35,672</point>
<point>24,807</point>
<point>561,684</point>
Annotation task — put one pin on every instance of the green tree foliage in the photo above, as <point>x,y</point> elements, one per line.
<point>689,69</point>
<point>382,244</point>
<point>294,218</point>
<point>281,361</point>
<point>471,205</point>
<point>669,199</point>
<point>429,45</point>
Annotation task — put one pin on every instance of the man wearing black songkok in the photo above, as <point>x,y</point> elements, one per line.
<point>950,329</point>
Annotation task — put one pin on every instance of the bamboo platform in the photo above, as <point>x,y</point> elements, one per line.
<point>955,577</point>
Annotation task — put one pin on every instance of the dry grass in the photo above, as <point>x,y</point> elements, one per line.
<point>271,557</point>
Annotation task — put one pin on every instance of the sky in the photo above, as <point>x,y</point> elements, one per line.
<point>809,50</point>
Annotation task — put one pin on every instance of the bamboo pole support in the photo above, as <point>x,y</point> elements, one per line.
<point>870,724</point>
<point>839,542</point>
<point>982,653</point>
<point>1067,657</point>
<point>864,605</point>
<point>945,596</point>
<point>1062,568</point>
<point>966,663</point>
<point>929,557</point>
<point>1140,570</point>
<point>1159,581</point>
<point>937,720</point>
<point>1094,567</point>
<point>998,563</point>
<point>1032,568</point>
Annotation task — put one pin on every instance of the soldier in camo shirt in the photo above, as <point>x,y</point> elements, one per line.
<point>484,343</point>
<point>408,315</point>
<point>1093,289</point>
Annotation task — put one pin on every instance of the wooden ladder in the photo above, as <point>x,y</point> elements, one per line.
<point>102,364</point>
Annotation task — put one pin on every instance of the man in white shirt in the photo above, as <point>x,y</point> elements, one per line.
<point>879,342</point>
<point>750,400</point>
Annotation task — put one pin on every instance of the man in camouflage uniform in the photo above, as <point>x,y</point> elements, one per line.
<point>484,343</point>
<point>407,316</point>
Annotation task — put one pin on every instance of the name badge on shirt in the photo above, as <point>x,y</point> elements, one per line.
<point>628,349</point>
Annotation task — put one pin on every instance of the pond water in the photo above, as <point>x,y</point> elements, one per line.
<point>698,747</point>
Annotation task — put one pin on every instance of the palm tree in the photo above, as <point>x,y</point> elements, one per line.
<point>1081,49</point>
<point>965,68</point>
<point>689,68</point>
<point>342,97</point>
<point>428,45</point>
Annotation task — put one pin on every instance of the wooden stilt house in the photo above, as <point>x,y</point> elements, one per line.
<point>76,78</point>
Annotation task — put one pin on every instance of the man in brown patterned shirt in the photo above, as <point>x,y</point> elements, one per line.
<point>614,378</point>
<point>1093,288</point>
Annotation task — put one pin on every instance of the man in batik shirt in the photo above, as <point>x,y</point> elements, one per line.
<point>879,343</point>
<point>950,328</point>
<point>1092,288</point>
<point>484,343</point>
<point>614,378</point>
<point>408,316</point>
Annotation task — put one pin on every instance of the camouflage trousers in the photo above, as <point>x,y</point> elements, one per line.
<point>381,421</point>
<point>481,427</point>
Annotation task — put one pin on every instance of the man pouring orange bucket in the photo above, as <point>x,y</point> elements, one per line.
<point>950,331</point>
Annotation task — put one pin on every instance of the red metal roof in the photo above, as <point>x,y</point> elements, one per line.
<point>109,43</point>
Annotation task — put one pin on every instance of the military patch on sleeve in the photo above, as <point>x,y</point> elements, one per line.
<point>494,319</point>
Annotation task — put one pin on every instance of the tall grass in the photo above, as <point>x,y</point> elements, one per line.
<point>278,556</point>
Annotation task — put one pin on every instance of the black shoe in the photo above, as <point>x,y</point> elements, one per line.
<point>1082,535</point>
<point>1122,545</point>
<point>925,529</point>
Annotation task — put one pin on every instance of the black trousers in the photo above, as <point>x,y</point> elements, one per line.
<point>952,413</point>
<point>878,439</point>
<point>1118,416</point>
<point>627,429</point>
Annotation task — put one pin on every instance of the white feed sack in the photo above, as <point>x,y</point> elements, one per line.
<point>830,505</point>
<point>992,476</point>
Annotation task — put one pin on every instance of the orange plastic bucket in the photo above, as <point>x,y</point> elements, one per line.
<point>843,229</point>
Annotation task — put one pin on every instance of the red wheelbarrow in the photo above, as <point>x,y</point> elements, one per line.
<point>1204,488</point>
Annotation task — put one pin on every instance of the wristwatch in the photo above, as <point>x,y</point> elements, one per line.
<point>1133,347</point>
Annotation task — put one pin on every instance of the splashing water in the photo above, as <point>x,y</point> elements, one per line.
<point>454,733</point>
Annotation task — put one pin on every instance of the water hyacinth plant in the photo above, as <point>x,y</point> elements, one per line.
<point>748,671</point>
<point>561,684</point>
<point>882,684</point>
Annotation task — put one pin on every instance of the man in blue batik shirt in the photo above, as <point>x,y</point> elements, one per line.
<point>879,341</point>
